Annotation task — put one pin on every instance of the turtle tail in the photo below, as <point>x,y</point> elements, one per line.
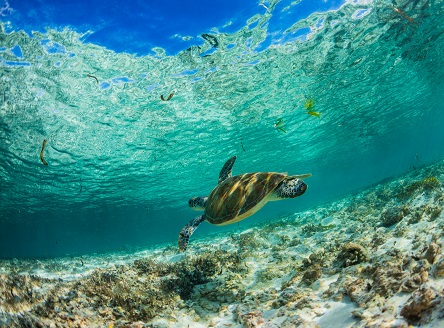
<point>187,231</point>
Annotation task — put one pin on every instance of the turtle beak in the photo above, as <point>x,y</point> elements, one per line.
<point>301,188</point>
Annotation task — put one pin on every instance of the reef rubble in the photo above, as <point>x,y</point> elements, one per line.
<point>373,259</point>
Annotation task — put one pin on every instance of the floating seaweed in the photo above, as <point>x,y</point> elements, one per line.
<point>313,113</point>
<point>169,97</point>
<point>309,104</point>
<point>279,125</point>
<point>399,11</point>
<point>42,152</point>
<point>309,107</point>
<point>93,77</point>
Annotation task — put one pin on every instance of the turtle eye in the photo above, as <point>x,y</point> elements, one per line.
<point>302,187</point>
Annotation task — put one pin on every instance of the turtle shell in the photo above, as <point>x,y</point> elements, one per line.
<point>236,198</point>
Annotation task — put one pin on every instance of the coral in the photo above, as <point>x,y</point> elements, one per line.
<point>378,239</point>
<point>268,274</point>
<point>310,228</point>
<point>352,254</point>
<point>287,295</point>
<point>312,274</point>
<point>19,291</point>
<point>414,214</point>
<point>356,288</point>
<point>249,240</point>
<point>151,267</point>
<point>298,321</point>
<point>250,319</point>
<point>428,184</point>
<point>387,279</point>
<point>20,320</point>
<point>292,298</point>
<point>420,266</point>
<point>433,211</point>
<point>315,258</point>
<point>191,272</point>
<point>137,299</point>
<point>294,242</point>
<point>418,303</point>
<point>400,230</point>
<point>227,290</point>
<point>432,252</point>
<point>284,240</point>
<point>412,283</point>
<point>438,268</point>
<point>392,216</point>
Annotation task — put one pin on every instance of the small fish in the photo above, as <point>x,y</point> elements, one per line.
<point>312,113</point>
<point>42,152</point>
<point>169,97</point>
<point>309,104</point>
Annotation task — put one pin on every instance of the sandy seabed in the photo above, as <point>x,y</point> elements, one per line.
<point>373,259</point>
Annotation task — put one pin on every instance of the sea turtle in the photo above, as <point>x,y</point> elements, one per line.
<point>236,198</point>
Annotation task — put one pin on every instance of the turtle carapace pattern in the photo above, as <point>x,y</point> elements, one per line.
<point>238,197</point>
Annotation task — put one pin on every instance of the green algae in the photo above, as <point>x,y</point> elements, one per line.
<point>428,184</point>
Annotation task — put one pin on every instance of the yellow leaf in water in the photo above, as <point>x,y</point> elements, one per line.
<point>317,114</point>
<point>280,122</point>
<point>309,104</point>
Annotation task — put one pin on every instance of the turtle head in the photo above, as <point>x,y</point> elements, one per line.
<point>296,187</point>
<point>299,187</point>
<point>198,203</point>
<point>291,187</point>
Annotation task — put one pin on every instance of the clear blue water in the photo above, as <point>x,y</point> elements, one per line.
<point>122,163</point>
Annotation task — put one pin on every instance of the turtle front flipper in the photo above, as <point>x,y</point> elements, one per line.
<point>225,173</point>
<point>300,176</point>
<point>187,231</point>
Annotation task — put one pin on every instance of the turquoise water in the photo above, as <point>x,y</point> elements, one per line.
<point>122,163</point>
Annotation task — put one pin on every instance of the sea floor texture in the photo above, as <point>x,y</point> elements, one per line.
<point>373,259</point>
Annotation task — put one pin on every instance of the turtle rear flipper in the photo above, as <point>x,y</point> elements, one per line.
<point>225,173</point>
<point>187,231</point>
